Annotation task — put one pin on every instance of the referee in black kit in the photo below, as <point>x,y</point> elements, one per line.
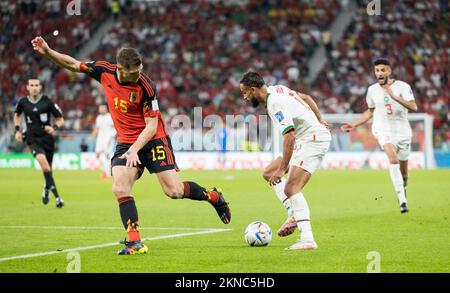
<point>40,135</point>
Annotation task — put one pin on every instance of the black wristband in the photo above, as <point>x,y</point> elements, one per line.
<point>16,128</point>
<point>55,127</point>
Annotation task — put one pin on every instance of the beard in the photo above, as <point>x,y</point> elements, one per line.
<point>383,81</point>
<point>255,102</point>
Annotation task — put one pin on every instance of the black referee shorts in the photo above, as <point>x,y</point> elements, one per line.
<point>45,146</point>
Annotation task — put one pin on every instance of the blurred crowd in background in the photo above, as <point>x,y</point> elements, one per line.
<point>197,51</point>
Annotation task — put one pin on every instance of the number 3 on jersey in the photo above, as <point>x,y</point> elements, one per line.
<point>121,105</point>
<point>158,153</point>
<point>388,109</point>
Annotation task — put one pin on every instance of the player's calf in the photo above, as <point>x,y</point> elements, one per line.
<point>405,180</point>
<point>175,191</point>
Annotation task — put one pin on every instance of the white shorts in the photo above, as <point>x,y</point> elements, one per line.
<point>102,146</point>
<point>401,143</point>
<point>309,155</point>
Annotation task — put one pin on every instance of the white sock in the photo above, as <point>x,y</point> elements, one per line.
<point>300,210</point>
<point>105,164</point>
<point>397,181</point>
<point>279,190</point>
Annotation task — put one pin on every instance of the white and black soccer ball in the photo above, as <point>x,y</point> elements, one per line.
<point>258,234</point>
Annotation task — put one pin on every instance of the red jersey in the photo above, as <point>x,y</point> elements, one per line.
<point>129,103</point>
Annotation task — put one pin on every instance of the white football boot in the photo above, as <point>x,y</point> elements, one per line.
<point>303,245</point>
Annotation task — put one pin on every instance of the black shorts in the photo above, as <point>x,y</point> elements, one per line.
<point>42,146</point>
<point>157,156</point>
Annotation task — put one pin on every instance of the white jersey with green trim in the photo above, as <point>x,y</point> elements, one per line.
<point>288,111</point>
<point>105,126</point>
<point>389,117</point>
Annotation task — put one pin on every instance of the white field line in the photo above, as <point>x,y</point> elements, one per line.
<point>103,228</point>
<point>111,244</point>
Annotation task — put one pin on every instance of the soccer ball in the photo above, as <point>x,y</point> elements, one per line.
<point>258,234</point>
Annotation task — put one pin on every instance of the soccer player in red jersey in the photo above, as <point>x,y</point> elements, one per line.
<point>141,134</point>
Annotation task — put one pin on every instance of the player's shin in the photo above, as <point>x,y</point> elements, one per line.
<point>397,181</point>
<point>300,211</point>
<point>279,191</point>
<point>50,183</point>
<point>129,215</point>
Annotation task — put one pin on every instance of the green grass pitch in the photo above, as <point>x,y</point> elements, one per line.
<point>353,213</point>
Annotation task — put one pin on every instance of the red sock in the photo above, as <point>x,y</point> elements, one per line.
<point>132,232</point>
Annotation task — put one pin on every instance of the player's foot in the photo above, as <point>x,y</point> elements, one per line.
<point>45,195</point>
<point>288,227</point>
<point>59,202</point>
<point>216,199</point>
<point>133,247</point>
<point>303,245</point>
<point>404,208</point>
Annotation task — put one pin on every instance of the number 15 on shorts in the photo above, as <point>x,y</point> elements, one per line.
<point>158,153</point>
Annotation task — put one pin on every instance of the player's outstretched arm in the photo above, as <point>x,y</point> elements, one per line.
<point>63,60</point>
<point>366,116</point>
<point>308,100</point>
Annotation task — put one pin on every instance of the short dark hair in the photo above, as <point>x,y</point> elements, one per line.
<point>128,57</point>
<point>381,61</point>
<point>252,79</point>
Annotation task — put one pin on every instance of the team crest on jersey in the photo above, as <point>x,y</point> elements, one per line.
<point>279,115</point>
<point>133,97</point>
<point>386,99</point>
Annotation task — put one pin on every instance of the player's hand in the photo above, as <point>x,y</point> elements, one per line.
<point>50,130</point>
<point>132,158</point>
<point>347,127</point>
<point>19,136</point>
<point>40,45</point>
<point>324,123</point>
<point>276,177</point>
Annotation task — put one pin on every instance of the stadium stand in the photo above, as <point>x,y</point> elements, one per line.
<point>196,52</point>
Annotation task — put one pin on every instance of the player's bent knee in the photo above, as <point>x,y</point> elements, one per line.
<point>393,161</point>
<point>174,193</point>
<point>46,169</point>
<point>120,191</point>
<point>290,190</point>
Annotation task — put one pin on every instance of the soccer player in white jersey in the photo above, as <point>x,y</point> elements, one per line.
<point>388,101</point>
<point>106,134</point>
<point>306,140</point>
